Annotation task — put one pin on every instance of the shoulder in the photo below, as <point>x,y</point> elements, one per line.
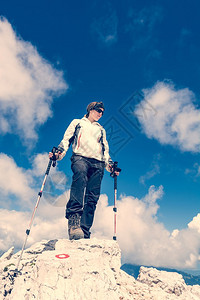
<point>102,129</point>
<point>75,122</point>
<point>99,125</point>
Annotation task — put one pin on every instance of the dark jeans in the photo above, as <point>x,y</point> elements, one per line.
<point>85,189</point>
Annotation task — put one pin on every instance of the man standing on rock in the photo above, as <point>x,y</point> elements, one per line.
<point>90,157</point>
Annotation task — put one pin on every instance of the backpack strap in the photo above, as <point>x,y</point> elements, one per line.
<point>75,135</point>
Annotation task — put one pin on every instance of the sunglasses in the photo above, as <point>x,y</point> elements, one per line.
<point>99,110</point>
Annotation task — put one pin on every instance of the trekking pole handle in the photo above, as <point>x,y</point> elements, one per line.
<point>52,160</point>
<point>115,168</point>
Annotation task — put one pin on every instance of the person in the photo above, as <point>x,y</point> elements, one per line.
<point>89,159</point>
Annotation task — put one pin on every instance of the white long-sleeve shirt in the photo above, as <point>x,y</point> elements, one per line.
<point>87,139</point>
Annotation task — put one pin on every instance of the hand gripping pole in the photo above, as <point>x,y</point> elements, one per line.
<point>52,161</point>
<point>113,174</point>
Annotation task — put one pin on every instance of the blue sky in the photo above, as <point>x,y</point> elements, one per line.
<point>141,58</point>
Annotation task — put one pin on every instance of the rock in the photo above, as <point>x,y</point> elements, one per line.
<point>85,270</point>
<point>170,282</point>
<point>7,255</point>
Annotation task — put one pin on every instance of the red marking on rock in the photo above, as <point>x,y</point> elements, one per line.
<point>62,256</point>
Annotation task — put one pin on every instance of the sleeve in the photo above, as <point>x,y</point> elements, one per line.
<point>66,141</point>
<point>107,158</point>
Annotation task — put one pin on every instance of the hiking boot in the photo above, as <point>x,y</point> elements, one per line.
<point>74,228</point>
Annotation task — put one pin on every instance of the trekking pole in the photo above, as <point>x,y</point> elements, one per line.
<point>52,161</point>
<point>113,174</point>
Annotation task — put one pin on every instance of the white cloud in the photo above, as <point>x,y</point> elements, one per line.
<point>141,26</point>
<point>19,187</point>
<point>177,119</point>
<point>13,225</point>
<point>142,239</point>
<point>14,183</point>
<point>19,191</point>
<point>57,186</point>
<point>194,171</point>
<point>104,29</point>
<point>154,170</point>
<point>195,223</point>
<point>27,86</point>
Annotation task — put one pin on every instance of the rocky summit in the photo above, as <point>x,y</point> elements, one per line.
<point>84,270</point>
